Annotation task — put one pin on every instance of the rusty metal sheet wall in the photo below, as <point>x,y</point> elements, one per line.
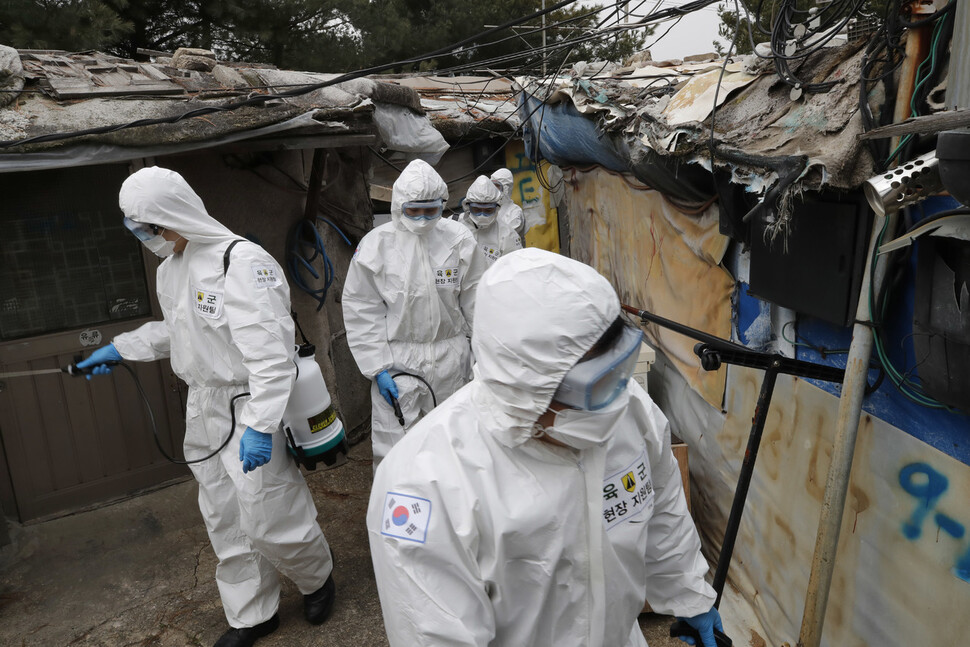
<point>902,566</point>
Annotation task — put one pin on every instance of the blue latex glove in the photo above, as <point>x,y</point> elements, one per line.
<point>255,449</point>
<point>705,623</point>
<point>387,386</point>
<point>96,361</point>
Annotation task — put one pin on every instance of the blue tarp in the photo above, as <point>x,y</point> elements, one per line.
<point>566,137</point>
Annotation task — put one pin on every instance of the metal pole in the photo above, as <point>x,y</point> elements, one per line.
<point>958,78</point>
<point>543,38</point>
<point>847,428</point>
<point>744,481</point>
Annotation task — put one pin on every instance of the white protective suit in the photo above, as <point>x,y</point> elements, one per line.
<point>510,213</point>
<point>228,333</point>
<point>482,534</point>
<point>408,304</point>
<point>496,238</point>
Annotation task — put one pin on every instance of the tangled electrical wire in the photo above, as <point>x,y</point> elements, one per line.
<point>882,58</point>
<point>794,34</point>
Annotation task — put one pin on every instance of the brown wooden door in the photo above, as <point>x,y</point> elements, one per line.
<point>71,278</point>
<point>72,442</point>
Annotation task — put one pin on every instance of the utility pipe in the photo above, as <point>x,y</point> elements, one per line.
<point>846,431</point>
<point>917,47</point>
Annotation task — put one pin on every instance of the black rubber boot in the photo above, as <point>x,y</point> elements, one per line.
<point>318,605</point>
<point>247,636</point>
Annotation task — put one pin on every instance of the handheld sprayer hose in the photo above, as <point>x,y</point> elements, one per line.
<point>151,417</point>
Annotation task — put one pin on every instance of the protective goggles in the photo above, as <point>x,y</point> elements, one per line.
<point>424,209</point>
<point>595,382</point>
<point>482,208</point>
<point>142,231</point>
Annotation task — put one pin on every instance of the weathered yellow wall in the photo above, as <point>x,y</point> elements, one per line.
<point>659,260</point>
<point>531,193</point>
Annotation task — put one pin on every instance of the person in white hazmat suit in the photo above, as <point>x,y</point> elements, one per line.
<point>228,330</point>
<point>541,504</point>
<point>509,212</point>
<point>408,305</point>
<point>494,237</point>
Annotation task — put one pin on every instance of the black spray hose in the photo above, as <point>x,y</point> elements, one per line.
<point>397,405</point>
<point>74,371</point>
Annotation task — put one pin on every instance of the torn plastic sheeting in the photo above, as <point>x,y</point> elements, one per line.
<point>566,137</point>
<point>585,104</point>
<point>404,131</point>
<point>89,154</point>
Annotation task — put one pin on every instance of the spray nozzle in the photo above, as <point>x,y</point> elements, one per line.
<point>397,410</point>
<point>74,370</point>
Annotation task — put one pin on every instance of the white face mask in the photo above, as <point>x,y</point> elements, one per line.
<point>581,429</point>
<point>159,246</point>
<point>483,222</point>
<point>419,226</point>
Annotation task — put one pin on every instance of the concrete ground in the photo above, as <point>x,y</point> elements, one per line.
<point>141,572</point>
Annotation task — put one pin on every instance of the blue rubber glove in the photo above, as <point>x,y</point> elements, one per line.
<point>705,624</point>
<point>387,386</point>
<point>255,449</point>
<point>96,361</point>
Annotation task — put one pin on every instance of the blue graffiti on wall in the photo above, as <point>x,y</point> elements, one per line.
<point>927,485</point>
<point>526,186</point>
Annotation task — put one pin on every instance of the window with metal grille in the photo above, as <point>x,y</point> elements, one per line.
<point>66,260</point>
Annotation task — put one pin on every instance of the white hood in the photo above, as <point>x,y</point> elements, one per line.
<point>482,190</point>
<point>504,177</point>
<point>536,315</point>
<point>162,197</point>
<point>418,181</point>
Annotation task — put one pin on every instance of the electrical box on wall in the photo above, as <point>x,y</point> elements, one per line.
<point>816,267</point>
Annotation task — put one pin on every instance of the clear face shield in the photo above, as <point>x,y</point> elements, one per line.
<point>142,231</point>
<point>151,237</point>
<point>595,382</point>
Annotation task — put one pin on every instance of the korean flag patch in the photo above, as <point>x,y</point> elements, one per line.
<point>406,517</point>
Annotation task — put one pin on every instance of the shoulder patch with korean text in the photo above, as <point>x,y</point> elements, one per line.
<point>265,275</point>
<point>491,252</point>
<point>406,517</point>
<point>627,492</point>
<point>208,304</point>
<point>445,276</point>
